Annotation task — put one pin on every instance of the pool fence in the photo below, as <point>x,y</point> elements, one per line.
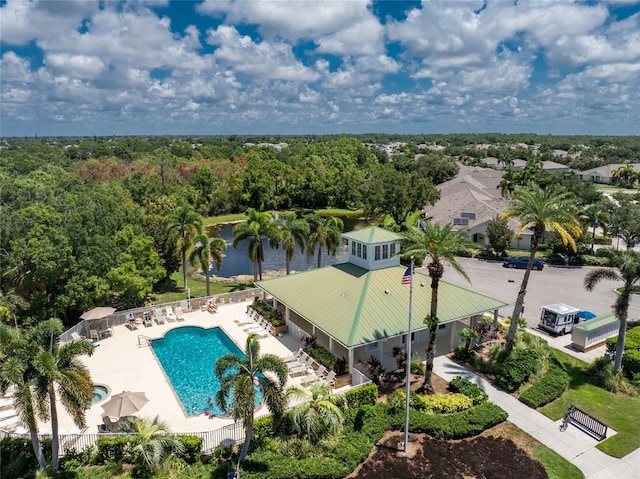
<point>228,436</point>
<point>84,327</point>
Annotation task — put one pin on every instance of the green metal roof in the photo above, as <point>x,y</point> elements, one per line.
<point>372,235</point>
<point>591,324</point>
<point>357,306</point>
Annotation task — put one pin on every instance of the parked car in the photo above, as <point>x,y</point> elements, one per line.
<point>522,262</point>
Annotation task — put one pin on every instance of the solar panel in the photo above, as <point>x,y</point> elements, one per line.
<point>470,216</point>
<point>461,221</point>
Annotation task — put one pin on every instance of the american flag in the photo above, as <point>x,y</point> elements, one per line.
<point>406,279</point>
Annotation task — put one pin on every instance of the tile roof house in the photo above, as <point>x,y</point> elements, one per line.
<point>471,201</point>
<point>604,174</point>
<point>360,308</point>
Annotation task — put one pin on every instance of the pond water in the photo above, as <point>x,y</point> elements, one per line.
<point>236,261</point>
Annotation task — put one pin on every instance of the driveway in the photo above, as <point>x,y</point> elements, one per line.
<point>551,285</point>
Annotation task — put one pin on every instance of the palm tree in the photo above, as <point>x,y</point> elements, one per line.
<point>240,377</point>
<point>440,244</point>
<point>14,371</point>
<point>540,210</point>
<point>153,442</point>
<point>325,232</point>
<point>628,264</point>
<point>59,371</point>
<point>625,173</point>
<point>204,250</point>
<point>317,416</point>
<point>188,223</point>
<point>258,226</point>
<point>292,231</point>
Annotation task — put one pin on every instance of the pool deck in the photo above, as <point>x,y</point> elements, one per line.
<point>123,363</point>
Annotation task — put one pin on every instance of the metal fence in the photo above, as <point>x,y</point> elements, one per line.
<point>118,318</point>
<point>228,436</point>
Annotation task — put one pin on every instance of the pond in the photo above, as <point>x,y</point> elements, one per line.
<point>236,261</point>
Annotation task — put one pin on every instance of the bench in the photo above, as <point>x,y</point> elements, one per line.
<point>585,422</point>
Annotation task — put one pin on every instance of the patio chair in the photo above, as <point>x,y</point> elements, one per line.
<point>294,356</point>
<point>300,370</point>
<point>316,376</point>
<point>179,313</point>
<point>159,316</point>
<point>93,335</point>
<point>184,304</point>
<point>330,378</point>
<point>171,317</point>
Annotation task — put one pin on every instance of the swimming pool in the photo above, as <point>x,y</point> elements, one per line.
<point>188,355</point>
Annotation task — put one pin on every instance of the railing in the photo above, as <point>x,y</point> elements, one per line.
<point>143,340</point>
<point>358,377</point>
<point>227,435</point>
<point>120,317</point>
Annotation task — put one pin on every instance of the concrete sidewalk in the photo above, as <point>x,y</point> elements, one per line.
<point>572,444</point>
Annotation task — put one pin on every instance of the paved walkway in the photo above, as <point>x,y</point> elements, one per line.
<point>572,444</point>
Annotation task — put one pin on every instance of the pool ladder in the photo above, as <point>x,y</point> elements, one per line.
<point>143,340</point>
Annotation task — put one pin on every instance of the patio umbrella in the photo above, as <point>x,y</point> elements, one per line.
<point>124,404</point>
<point>586,315</point>
<point>98,313</point>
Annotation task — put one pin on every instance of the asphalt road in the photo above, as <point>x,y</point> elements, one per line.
<point>551,285</point>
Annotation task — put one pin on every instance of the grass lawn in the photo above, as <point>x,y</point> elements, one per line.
<point>557,467</point>
<point>174,292</point>
<point>618,411</point>
<point>230,218</point>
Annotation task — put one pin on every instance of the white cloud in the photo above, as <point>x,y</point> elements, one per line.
<point>264,60</point>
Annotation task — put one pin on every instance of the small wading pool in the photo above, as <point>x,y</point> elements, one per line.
<point>188,355</point>
<point>99,393</point>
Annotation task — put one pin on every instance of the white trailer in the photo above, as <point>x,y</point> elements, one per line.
<point>558,318</point>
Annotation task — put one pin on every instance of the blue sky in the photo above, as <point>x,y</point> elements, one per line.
<point>301,66</point>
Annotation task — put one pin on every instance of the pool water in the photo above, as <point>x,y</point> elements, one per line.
<point>99,393</point>
<point>188,355</point>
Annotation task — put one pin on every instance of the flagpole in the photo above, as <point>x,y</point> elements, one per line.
<point>408,365</point>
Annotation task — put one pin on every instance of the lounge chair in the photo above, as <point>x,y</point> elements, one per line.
<point>171,317</point>
<point>313,377</point>
<point>179,313</point>
<point>298,362</point>
<point>245,319</point>
<point>159,316</point>
<point>294,356</point>
<point>330,377</point>
<point>256,328</point>
<point>300,370</point>
<point>75,336</point>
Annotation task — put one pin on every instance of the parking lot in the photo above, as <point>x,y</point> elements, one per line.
<point>554,284</point>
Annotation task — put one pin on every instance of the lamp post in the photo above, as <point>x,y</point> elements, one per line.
<point>189,298</point>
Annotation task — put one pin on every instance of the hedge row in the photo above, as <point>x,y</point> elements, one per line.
<point>362,396</point>
<point>550,387</point>
<point>118,448</point>
<point>459,424</point>
<point>440,403</point>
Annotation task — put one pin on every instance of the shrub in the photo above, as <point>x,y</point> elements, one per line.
<point>418,366</point>
<point>457,425</point>
<point>322,356</point>
<point>461,353</point>
<point>16,457</point>
<point>631,362</point>
<point>362,395</point>
<point>444,403</point>
<point>516,370</point>
<point>469,389</point>
<point>192,448</point>
<point>114,448</point>
<point>550,387</point>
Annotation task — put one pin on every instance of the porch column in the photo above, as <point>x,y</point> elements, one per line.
<point>350,365</point>
<point>331,344</point>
